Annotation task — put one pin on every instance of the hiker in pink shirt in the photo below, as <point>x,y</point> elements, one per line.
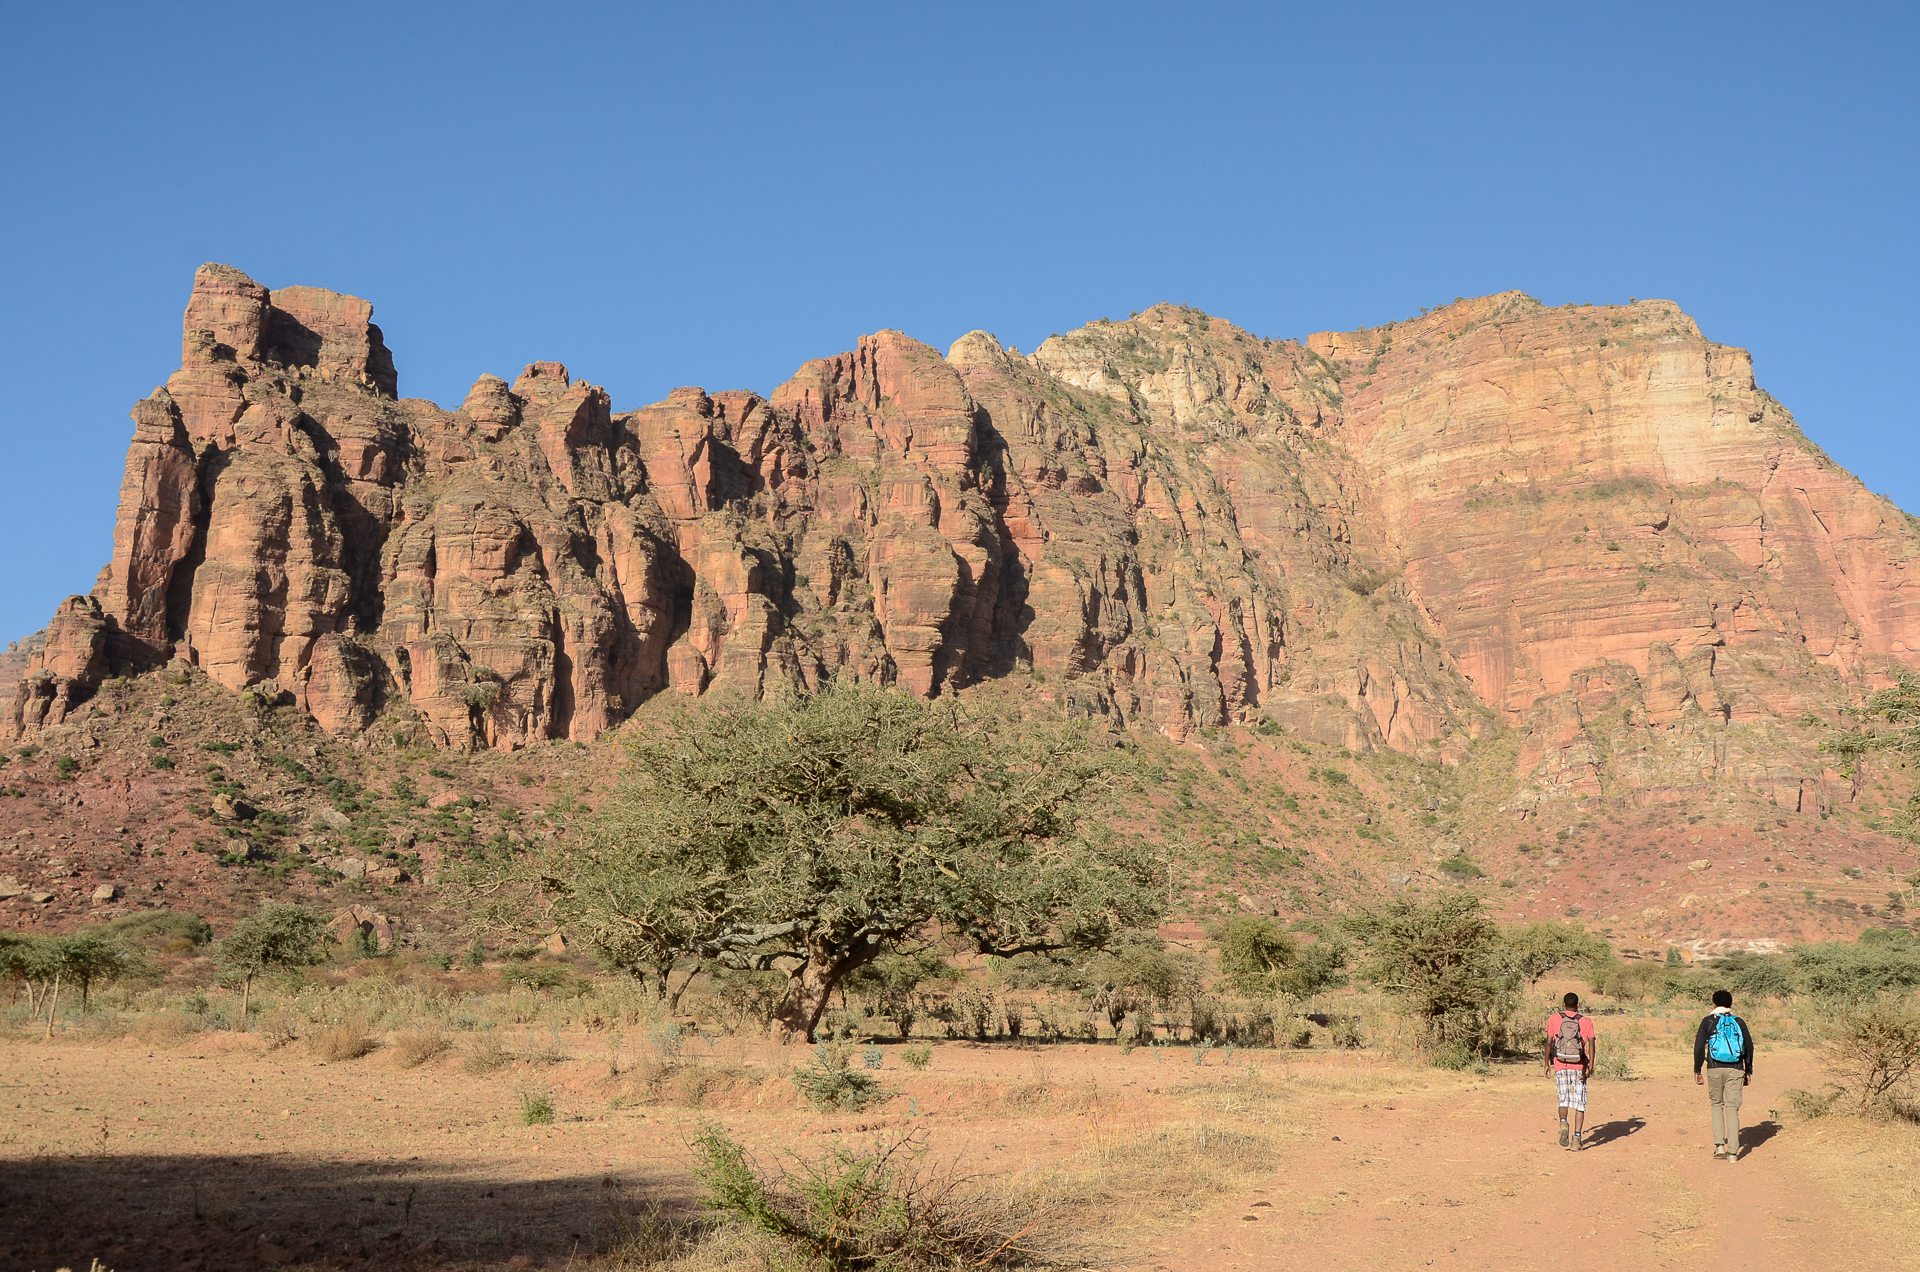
<point>1571,1051</point>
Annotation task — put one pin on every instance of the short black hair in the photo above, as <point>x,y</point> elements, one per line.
<point>1723,998</point>
<point>1571,1000</point>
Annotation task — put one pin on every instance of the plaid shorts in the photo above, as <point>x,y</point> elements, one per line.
<point>1572,1084</point>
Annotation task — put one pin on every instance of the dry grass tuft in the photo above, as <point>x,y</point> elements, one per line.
<point>680,1084</point>
<point>417,1047</point>
<point>348,1040</point>
<point>169,1028</point>
<point>486,1055</point>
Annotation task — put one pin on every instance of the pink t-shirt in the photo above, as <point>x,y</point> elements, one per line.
<point>1586,1035</point>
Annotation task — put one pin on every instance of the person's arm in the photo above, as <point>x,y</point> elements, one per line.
<point>1593,1056</point>
<point>1746,1051</point>
<point>1700,1050</point>
<point>1547,1060</point>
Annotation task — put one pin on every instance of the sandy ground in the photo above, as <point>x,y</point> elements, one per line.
<point>217,1154</point>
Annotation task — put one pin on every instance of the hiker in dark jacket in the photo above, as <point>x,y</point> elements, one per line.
<point>1723,1046</point>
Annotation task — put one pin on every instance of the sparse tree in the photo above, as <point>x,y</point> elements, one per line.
<point>89,955</point>
<point>1543,947</point>
<point>278,935</point>
<point>1872,1047</point>
<point>817,834</point>
<point>1887,720</point>
<point>1254,950</point>
<point>1444,960</point>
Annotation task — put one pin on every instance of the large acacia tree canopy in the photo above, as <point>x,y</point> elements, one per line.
<point>830,828</point>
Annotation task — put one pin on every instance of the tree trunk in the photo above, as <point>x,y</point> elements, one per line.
<point>246,992</point>
<point>673,998</point>
<point>53,1004</point>
<point>810,985</point>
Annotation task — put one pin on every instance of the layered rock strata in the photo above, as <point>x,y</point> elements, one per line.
<point>1583,526</point>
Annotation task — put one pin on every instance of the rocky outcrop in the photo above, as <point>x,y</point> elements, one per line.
<point>1584,526</point>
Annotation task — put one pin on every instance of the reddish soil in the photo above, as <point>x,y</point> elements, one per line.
<point>219,1154</point>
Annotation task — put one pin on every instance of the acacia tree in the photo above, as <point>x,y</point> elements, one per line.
<point>1543,947</point>
<point>1887,720</point>
<point>1444,960</point>
<point>278,935</point>
<point>817,834</point>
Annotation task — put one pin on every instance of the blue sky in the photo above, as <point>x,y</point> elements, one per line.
<point>711,194</point>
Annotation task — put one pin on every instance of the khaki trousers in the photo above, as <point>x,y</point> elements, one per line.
<point>1725,1089</point>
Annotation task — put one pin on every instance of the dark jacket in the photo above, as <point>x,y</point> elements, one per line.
<point>1705,1032</point>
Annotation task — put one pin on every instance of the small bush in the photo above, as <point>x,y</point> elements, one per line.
<point>918,1057</point>
<point>279,1029</point>
<point>486,1055</point>
<point>534,976</point>
<point>536,1108</point>
<point>1296,1034</point>
<point>1453,1056</point>
<point>882,1207</point>
<point>1614,1066</point>
<point>1344,1032</point>
<point>829,1083</point>
<point>872,1058</point>
<point>1812,1104</point>
<point>417,1047</point>
<point>1872,1050</point>
<point>162,927</point>
<point>348,1040</point>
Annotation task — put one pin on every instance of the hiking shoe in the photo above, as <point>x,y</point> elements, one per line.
<point>1575,1146</point>
<point>1563,1134</point>
<point>1719,1151</point>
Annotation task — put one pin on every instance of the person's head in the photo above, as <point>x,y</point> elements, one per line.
<point>1571,1001</point>
<point>1723,998</point>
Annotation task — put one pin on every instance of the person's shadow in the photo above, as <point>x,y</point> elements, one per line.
<point>1608,1132</point>
<point>1752,1137</point>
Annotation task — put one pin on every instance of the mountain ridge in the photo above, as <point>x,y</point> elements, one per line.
<point>1165,521</point>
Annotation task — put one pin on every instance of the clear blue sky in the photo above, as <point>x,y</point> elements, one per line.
<point>711,194</point>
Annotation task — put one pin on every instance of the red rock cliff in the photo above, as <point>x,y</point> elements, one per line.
<point>1585,526</point>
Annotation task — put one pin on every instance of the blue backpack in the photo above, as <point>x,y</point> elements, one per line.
<point>1727,1044</point>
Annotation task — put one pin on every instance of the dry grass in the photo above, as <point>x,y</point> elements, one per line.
<point>485,1055</point>
<point>687,1085</point>
<point>348,1040</point>
<point>169,1028</point>
<point>419,1046</point>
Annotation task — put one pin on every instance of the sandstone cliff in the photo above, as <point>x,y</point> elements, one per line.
<point>1583,527</point>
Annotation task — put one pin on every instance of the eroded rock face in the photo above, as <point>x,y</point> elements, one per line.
<point>1586,526</point>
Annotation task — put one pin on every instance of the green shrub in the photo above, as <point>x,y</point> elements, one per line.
<point>829,1082</point>
<point>534,976</point>
<point>536,1108</point>
<point>163,927</point>
<point>918,1057</point>
<point>1453,1055</point>
<point>1614,1065</point>
<point>1344,1032</point>
<point>884,1207</point>
<point>1461,868</point>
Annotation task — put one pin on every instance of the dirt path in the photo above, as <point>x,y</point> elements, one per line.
<point>1481,1182</point>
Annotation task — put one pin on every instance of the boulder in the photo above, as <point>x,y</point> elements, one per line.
<point>360,918</point>
<point>330,817</point>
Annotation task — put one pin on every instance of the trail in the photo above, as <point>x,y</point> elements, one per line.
<point>1480,1181</point>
